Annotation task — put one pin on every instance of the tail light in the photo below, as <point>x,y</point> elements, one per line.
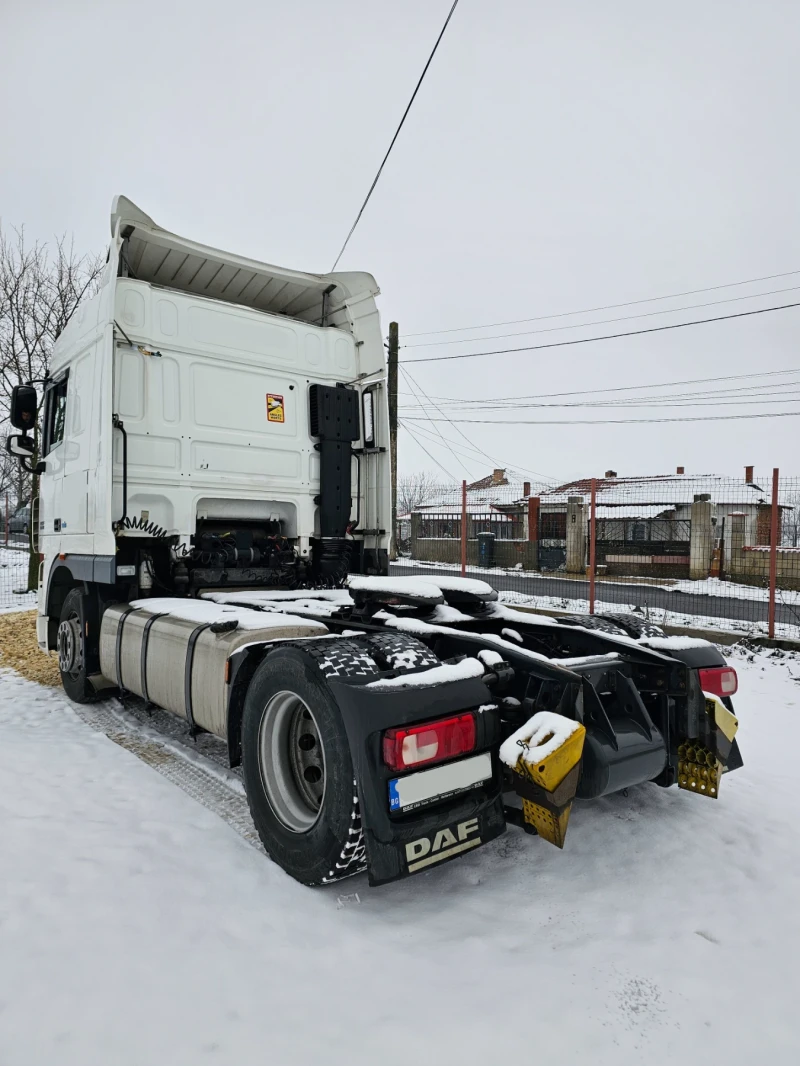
<point>719,680</point>
<point>421,745</point>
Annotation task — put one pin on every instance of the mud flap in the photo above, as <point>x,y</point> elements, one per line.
<point>399,843</point>
<point>701,765</point>
<point>546,773</point>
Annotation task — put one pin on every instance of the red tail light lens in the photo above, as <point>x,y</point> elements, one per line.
<point>719,680</point>
<point>421,745</point>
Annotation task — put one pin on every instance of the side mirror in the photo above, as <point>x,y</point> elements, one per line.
<point>20,445</point>
<point>24,404</point>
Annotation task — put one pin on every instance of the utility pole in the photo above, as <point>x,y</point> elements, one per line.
<point>394,346</point>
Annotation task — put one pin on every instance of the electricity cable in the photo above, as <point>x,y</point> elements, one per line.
<point>396,135</point>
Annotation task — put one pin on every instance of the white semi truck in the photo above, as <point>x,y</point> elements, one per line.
<point>213,528</point>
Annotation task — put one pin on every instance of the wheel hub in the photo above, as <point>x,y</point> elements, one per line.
<point>292,761</point>
<point>70,646</point>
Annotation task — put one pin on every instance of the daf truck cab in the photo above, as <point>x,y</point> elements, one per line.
<point>210,420</point>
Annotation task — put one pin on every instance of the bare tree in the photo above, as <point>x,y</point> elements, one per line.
<point>40,288</point>
<point>415,490</point>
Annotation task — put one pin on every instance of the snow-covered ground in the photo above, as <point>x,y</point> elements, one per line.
<point>710,586</point>
<point>14,576</point>
<point>731,590</point>
<point>658,615</point>
<point>137,927</point>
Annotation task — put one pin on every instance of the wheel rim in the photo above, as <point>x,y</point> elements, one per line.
<point>291,761</point>
<point>70,646</point>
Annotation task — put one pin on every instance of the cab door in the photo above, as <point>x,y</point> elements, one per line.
<point>53,430</point>
<point>76,445</point>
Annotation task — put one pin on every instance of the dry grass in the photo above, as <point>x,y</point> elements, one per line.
<point>19,650</point>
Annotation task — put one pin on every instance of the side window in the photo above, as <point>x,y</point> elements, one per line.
<point>55,411</point>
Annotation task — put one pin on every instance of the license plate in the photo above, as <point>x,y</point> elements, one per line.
<point>440,782</point>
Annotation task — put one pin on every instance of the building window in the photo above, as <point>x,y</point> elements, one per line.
<point>553,525</point>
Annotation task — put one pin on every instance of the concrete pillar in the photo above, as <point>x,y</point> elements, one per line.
<point>414,534</point>
<point>576,535</point>
<point>701,545</point>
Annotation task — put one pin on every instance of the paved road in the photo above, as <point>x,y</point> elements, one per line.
<point>627,594</point>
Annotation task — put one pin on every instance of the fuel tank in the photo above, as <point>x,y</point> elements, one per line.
<point>173,652</point>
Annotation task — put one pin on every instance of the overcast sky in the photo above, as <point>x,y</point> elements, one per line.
<point>560,155</point>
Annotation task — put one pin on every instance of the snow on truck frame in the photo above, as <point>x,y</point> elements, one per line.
<point>212,523</point>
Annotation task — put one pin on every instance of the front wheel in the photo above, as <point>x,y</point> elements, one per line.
<point>297,771</point>
<point>71,645</point>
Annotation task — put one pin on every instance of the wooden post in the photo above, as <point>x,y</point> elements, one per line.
<point>463,528</point>
<point>592,543</point>
<point>773,554</point>
<point>391,385</point>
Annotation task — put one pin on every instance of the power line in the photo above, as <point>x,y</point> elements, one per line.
<point>606,307</point>
<point>396,135</point>
<point>507,466</point>
<point>614,421</point>
<point>606,321</point>
<point>605,337</point>
<point>710,399</point>
<point>680,401</point>
<point>419,442</point>
<point>412,381</point>
<point>459,461</point>
<point>632,388</point>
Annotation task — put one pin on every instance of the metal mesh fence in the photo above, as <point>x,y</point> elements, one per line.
<point>14,573</point>
<point>683,550</point>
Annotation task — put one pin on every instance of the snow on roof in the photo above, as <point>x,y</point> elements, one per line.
<point>641,510</point>
<point>664,489</point>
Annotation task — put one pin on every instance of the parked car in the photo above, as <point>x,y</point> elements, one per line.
<point>20,521</point>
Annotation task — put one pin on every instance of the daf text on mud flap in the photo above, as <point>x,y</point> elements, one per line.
<point>444,843</point>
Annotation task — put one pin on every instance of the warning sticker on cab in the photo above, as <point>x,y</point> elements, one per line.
<point>275,410</point>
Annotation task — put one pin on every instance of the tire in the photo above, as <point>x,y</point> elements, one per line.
<point>296,764</point>
<point>72,651</point>
<point>401,653</point>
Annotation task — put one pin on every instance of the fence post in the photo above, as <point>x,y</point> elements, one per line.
<point>463,528</point>
<point>592,543</point>
<point>6,520</point>
<point>773,554</point>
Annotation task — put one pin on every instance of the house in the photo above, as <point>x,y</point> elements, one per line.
<point>492,506</point>
<point>646,525</point>
<point>669,525</point>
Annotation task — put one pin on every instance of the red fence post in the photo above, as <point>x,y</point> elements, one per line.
<point>463,528</point>
<point>773,554</point>
<point>533,518</point>
<point>592,543</point>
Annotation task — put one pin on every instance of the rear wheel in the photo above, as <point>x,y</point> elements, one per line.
<point>72,650</point>
<point>297,771</point>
